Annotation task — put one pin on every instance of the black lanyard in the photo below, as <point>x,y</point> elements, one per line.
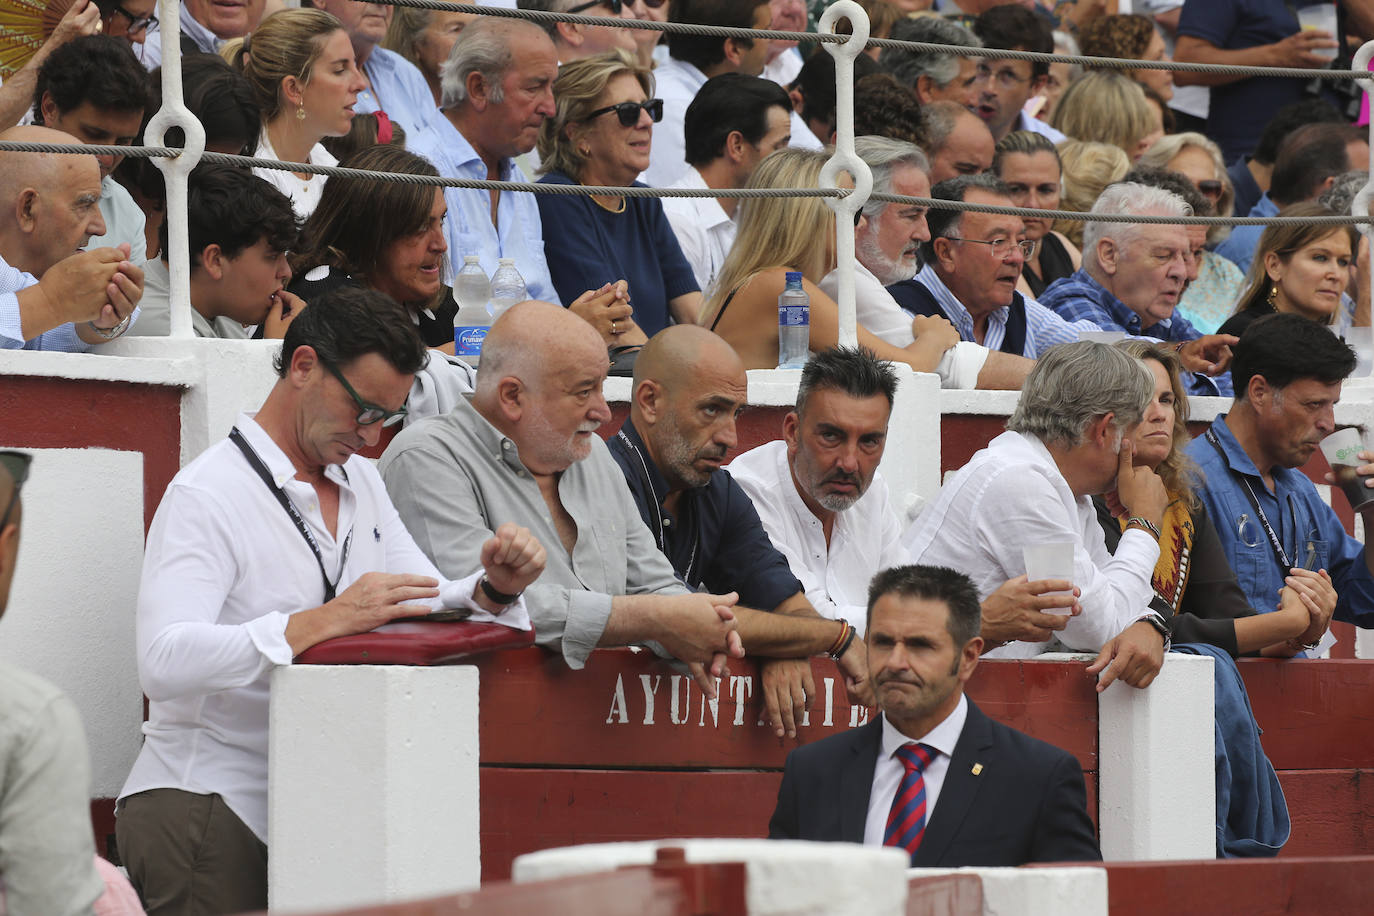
<point>1279,552</point>
<point>256,464</point>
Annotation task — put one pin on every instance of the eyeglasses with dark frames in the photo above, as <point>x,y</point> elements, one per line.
<point>628,112</point>
<point>1210,188</point>
<point>17,465</point>
<point>368,413</point>
<point>1001,248</point>
<point>136,23</point>
<point>615,5</point>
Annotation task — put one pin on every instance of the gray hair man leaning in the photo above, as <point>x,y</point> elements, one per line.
<point>935,77</point>
<point>1133,276</point>
<point>1034,484</point>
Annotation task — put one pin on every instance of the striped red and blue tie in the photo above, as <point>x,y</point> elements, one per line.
<point>906,821</point>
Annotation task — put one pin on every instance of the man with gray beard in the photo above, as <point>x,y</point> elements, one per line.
<point>689,386</point>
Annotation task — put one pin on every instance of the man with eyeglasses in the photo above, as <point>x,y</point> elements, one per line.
<point>1006,83</point>
<point>270,542</point>
<point>1132,278</point>
<point>47,855</point>
<point>575,41</point>
<point>972,262</point>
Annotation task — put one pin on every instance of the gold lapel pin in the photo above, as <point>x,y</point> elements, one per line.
<point>977,769</point>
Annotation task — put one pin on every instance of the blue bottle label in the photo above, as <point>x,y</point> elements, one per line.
<point>468,341</point>
<point>794,315</point>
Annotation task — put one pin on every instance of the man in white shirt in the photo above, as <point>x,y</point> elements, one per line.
<point>575,41</point>
<point>47,857</point>
<point>933,776</point>
<point>731,125</point>
<point>270,542</point>
<point>693,59</point>
<point>1034,485</point>
<point>497,91</point>
<point>826,508</point>
<point>81,300</point>
<point>95,89</point>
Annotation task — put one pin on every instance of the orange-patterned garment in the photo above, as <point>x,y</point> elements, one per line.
<point>1176,535</point>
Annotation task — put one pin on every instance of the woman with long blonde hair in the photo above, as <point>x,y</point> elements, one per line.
<point>781,234</point>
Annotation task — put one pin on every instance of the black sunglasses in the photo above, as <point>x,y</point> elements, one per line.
<point>368,413</point>
<point>615,5</point>
<point>1210,188</point>
<point>17,465</point>
<point>136,23</point>
<point>628,112</point>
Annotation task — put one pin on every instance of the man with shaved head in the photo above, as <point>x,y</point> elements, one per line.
<point>47,853</point>
<point>689,385</point>
<point>51,296</point>
<point>526,450</point>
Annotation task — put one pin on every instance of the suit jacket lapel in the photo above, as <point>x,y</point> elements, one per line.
<point>959,788</point>
<point>856,781</point>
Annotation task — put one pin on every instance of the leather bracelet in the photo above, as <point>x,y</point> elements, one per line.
<point>498,597</point>
<point>849,634</point>
<point>1144,524</point>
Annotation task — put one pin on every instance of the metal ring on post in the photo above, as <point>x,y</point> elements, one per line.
<point>175,171</point>
<point>845,159</point>
<point>1365,197</point>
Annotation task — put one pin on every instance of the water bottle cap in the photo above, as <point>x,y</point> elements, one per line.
<point>506,262</point>
<point>471,259</point>
<point>794,276</point>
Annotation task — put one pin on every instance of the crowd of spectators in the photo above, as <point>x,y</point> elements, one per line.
<point>500,501</point>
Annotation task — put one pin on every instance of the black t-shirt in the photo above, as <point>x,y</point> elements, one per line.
<point>435,326</point>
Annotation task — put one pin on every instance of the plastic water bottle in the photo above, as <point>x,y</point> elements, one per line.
<point>794,323</point>
<point>507,288</point>
<point>473,291</point>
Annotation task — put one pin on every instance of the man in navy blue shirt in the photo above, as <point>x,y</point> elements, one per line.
<point>688,387</point>
<point>1273,524</point>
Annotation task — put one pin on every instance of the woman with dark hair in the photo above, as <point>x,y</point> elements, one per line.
<point>1300,269</point>
<point>382,235</point>
<point>1029,165</point>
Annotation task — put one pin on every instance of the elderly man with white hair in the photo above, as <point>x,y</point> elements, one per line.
<point>1133,276</point>
<point>887,245</point>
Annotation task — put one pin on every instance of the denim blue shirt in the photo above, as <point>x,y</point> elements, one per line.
<point>1078,297</point>
<point>468,225</point>
<point>1239,247</point>
<point>716,541</point>
<point>1307,528</point>
<point>399,89</point>
<point>1044,328</point>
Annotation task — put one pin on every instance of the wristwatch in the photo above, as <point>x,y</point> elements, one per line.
<point>112,333</point>
<point>1156,620</point>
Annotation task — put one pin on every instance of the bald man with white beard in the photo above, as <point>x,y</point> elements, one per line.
<point>53,297</point>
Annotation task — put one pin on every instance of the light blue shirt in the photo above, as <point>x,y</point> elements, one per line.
<point>1044,328</point>
<point>1239,247</point>
<point>399,89</point>
<point>62,338</point>
<point>468,226</point>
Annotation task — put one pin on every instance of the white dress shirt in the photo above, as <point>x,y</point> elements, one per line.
<point>1012,494</point>
<point>866,537</point>
<point>304,192</point>
<point>703,229</point>
<point>223,570</point>
<point>676,82</point>
<point>881,316</point>
<point>888,771</point>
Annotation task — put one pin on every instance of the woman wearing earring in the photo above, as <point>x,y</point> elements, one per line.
<point>600,136</point>
<point>300,64</point>
<point>1301,269</point>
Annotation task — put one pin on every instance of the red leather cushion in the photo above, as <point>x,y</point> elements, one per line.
<point>416,643</point>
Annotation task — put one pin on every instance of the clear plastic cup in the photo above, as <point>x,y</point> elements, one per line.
<point>1320,16</point>
<point>1049,561</point>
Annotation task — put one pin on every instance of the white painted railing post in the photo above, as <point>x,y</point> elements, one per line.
<point>844,158</point>
<point>174,113</point>
<point>1360,206</point>
<point>372,788</point>
<point>1156,766</point>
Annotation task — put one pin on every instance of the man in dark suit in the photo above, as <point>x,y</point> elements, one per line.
<point>932,773</point>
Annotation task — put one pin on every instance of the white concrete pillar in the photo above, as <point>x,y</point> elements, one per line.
<point>1076,891</point>
<point>372,785</point>
<point>784,877</point>
<point>1156,789</point>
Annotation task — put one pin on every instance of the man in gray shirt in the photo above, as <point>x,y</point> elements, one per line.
<point>526,450</point>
